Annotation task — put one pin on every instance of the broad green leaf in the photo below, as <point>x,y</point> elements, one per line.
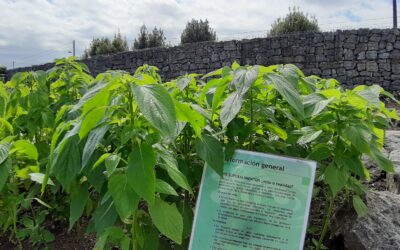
<point>56,135</point>
<point>391,96</point>
<point>4,150</point>
<point>291,73</point>
<point>5,169</point>
<point>217,97</point>
<point>210,150</point>
<point>382,162</point>
<point>7,125</point>
<point>187,214</point>
<point>210,84</point>
<point>146,236</point>
<point>104,216</point>
<point>79,198</point>
<point>39,177</point>
<point>141,173</point>
<point>359,206</point>
<point>275,129</point>
<point>167,219</point>
<point>183,82</point>
<point>125,198</point>
<point>359,136</point>
<point>314,104</point>
<point>91,120</point>
<point>319,152</point>
<point>157,107</point>
<point>356,100</point>
<point>371,94</point>
<point>355,165</point>
<point>25,148</point>
<point>94,96</point>
<point>186,113</point>
<point>171,166</point>
<point>94,138</point>
<point>111,163</point>
<point>67,163</point>
<point>336,178</point>
<point>61,113</point>
<point>164,188</point>
<point>309,135</point>
<point>380,134</point>
<point>330,93</point>
<point>100,160</point>
<point>243,79</point>
<point>288,92</point>
<point>230,108</point>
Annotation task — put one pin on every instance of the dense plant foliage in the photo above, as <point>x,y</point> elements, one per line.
<point>295,21</point>
<point>197,31</point>
<point>146,39</point>
<point>127,151</point>
<point>105,46</point>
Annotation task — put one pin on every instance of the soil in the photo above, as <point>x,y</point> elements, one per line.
<point>64,240</point>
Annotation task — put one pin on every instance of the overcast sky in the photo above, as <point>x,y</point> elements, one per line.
<point>37,31</point>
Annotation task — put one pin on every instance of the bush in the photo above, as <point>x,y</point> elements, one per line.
<point>198,31</point>
<point>295,21</point>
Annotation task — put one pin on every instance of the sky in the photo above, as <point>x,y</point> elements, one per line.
<point>37,31</point>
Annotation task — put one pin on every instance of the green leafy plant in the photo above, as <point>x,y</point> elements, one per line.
<point>33,230</point>
<point>29,105</point>
<point>127,151</point>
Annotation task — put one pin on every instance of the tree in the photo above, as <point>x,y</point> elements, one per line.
<point>295,21</point>
<point>198,31</point>
<point>149,40</point>
<point>142,39</point>
<point>156,38</point>
<point>119,44</point>
<point>105,46</point>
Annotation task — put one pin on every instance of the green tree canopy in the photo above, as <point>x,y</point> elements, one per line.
<point>146,39</point>
<point>295,21</point>
<point>198,31</point>
<point>105,46</point>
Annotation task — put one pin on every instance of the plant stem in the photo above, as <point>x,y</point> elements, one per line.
<point>327,219</point>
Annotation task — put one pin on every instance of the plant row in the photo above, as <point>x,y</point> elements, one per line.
<point>126,151</point>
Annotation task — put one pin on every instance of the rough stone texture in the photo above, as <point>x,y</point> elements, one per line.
<point>378,230</point>
<point>393,144</point>
<point>392,140</point>
<point>363,56</point>
<point>393,180</point>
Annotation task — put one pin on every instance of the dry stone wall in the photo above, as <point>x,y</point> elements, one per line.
<point>363,56</point>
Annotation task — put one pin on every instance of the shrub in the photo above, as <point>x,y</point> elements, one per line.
<point>198,31</point>
<point>295,21</point>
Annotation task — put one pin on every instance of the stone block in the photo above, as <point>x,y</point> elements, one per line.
<point>371,55</point>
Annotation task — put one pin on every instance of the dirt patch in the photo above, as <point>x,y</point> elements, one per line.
<point>64,240</point>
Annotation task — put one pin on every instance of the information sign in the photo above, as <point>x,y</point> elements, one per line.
<point>262,202</point>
